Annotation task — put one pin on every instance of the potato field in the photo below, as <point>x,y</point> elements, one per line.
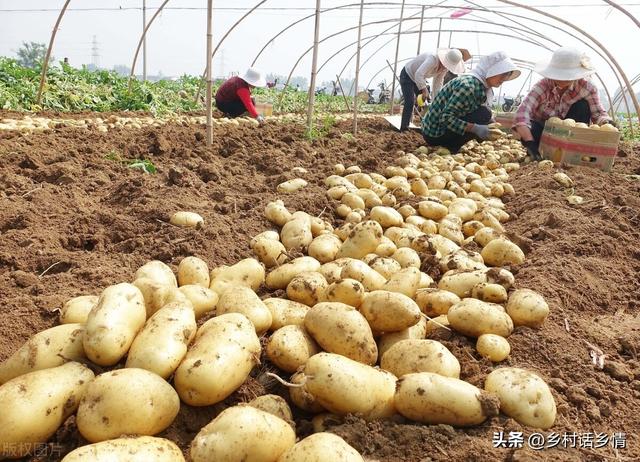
<point>289,297</point>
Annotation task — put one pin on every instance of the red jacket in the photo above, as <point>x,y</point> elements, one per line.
<point>236,89</point>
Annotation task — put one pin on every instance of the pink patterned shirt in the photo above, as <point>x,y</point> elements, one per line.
<point>545,101</point>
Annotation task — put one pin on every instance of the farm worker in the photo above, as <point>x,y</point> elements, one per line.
<point>460,111</point>
<point>234,95</point>
<point>564,92</point>
<point>414,75</point>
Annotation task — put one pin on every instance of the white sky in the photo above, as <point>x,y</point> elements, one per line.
<point>176,41</point>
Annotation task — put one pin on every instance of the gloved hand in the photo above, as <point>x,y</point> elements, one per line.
<point>610,121</point>
<point>481,131</point>
<point>260,120</point>
<point>532,150</point>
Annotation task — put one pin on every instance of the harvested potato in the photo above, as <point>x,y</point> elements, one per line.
<point>473,318</point>
<point>434,399</point>
<point>417,331</point>
<point>290,347</point>
<point>242,433</point>
<point>308,288</point>
<point>126,401</point>
<point>128,449</point>
<point>301,397</point>
<point>36,404</point>
<point>493,293</point>
<point>248,273</point>
<point>344,386</point>
<point>437,324</point>
<point>77,309</point>
<point>405,281</point>
<point>527,308</point>
<point>270,235</point>
<point>203,300</point>
<point>523,395</point>
<point>363,273</point>
<point>461,282</point>
<point>285,312</point>
<point>275,405</point>
<point>347,291</point>
<point>187,219</point>
<point>243,300</point>
<point>419,355</point>
<point>563,179</point>
<point>321,447</point>
<point>270,252</point>
<point>325,247</point>
<point>291,186</point>
<point>341,329</point>
<point>485,235</point>
<point>113,324</point>
<point>280,277</point>
<point>296,233</point>
<point>157,295</point>
<point>50,348</point>
<point>193,270</point>
<point>386,216</point>
<point>220,360</point>
<point>353,200</point>
<point>432,210</point>
<point>493,347</point>
<point>277,213</point>
<point>389,311</point>
<point>162,343</point>
<point>158,272</point>
<point>502,252</point>
<point>384,265</point>
<point>363,239</point>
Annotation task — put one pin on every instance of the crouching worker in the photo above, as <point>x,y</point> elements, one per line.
<point>564,92</point>
<point>233,97</point>
<point>460,111</point>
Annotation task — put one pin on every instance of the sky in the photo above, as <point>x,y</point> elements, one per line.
<point>176,41</point>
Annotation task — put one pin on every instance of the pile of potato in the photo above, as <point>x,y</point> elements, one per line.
<point>352,330</point>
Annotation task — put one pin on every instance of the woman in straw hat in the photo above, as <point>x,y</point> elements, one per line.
<point>414,75</point>
<point>460,112</point>
<point>233,97</point>
<point>564,92</point>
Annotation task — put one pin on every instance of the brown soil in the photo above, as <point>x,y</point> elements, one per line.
<point>73,221</point>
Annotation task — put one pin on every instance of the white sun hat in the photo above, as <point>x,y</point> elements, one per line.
<point>502,65</point>
<point>566,64</point>
<point>254,77</point>
<point>452,59</point>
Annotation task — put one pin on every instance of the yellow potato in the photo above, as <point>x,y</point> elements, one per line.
<point>285,312</point>
<point>275,405</point>
<point>308,288</point>
<point>242,433</point>
<point>77,309</point>
<point>473,318</point>
<point>193,270</point>
<point>270,252</point>
<point>50,348</point>
<point>408,258</point>
<point>487,292</point>
<point>277,213</point>
<point>463,208</point>
<point>128,449</point>
<point>157,295</point>
<point>485,234</point>
<point>296,233</point>
<point>248,273</point>
<point>158,272</point>
<point>280,277</point>
<point>417,331</point>
<point>502,252</point>
<point>363,239</point>
<point>389,311</point>
<point>341,329</point>
<point>524,396</point>
<point>321,447</point>
<point>290,347</point>
<point>527,308</point>
<point>384,265</point>
<point>363,273</point>
<point>243,300</point>
<point>291,186</point>
<point>203,300</point>
<point>493,347</point>
<point>353,201</point>
<point>325,247</point>
<point>187,219</point>
<point>386,216</point>
<point>432,210</point>
<point>419,355</point>
<point>461,282</point>
<point>301,397</point>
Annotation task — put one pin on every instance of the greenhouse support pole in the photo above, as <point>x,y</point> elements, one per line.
<point>209,73</point>
<point>45,64</point>
<point>144,42</point>
<point>355,93</point>
<point>395,61</point>
<point>421,27</point>
<point>314,68</point>
<point>439,30</point>
<point>344,95</point>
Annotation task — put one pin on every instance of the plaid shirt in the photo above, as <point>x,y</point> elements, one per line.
<point>545,101</point>
<point>458,97</point>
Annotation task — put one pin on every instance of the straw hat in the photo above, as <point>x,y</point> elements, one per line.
<point>254,77</point>
<point>566,64</point>
<point>452,59</point>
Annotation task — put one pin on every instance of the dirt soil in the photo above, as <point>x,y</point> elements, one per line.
<point>73,221</point>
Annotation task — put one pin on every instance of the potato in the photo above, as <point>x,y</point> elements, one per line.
<point>344,386</point>
<point>325,247</point>
<point>473,318</point>
<point>363,273</point>
<point>384,265</point>
<point>434,399</point>
<point>301,397</point>
<point>270,252</point>
<point>461,260</point>
<point>370,198</point>
<point>417,331</point>
<point>337,192</point>
<point>242,433</point>
<point>389,311</point>
<point>423,224</point>
<point>451,228</point>
<point>363,239</point>
<point>49,348</point>
<point>290,347</point>
<point>347,291</point>
<point>280,277</point>
<point>338,169</point>
<point>527,308</point>
<point>243,300</point>
<point>77,309</point>
<point>463,208</point>
<point>524,396</point>
<point>402,237</point>
<point>386,216</point>
<point>344,211</point>
<point>131,449</point>
<point>277,213</point>
<point>308,288</point>
<point>432,210</point>
<point>437,324</point>
<point>113,324</point>
<point>291,186</point>
<point>163,342</point>
<point>187,220</point>
<point>353,201</point>
<point>461,282</point>
<point>485,235</point>
<point>193,270</point>
<point>220,360</point>
<point>419,355</point>
<point>158,272</point>
<point>502,252</point>
<point>274,405</point>
<point>157,295</point>
<point>270,235</point>
<point>203,300</point>
<point>126,401</point>
<point>285,312</point>
<point>486,292</point>
<point>341,329</point>
<point>248,273</point>
<point>296,233</point>
<point>408,258</point>
<point>321,447</point>
<point>493,347</point>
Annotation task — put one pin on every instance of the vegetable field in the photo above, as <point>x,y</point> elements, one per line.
<point>413,303</point>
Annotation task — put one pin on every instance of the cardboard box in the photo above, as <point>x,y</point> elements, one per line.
<point>579,146</point>
<point>264,109</point>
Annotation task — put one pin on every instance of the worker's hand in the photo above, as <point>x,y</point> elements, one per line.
<point>532,150</point>
<point>260,120</point>
<point>481,131</point>
<point>425,94</point>
<point>609,121</point>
